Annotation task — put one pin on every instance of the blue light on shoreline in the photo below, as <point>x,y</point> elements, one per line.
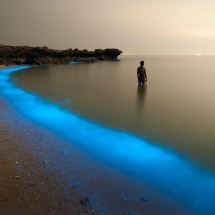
<point>163,168</point>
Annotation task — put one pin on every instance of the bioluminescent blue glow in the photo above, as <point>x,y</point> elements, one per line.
<point>180,178</point>
<point>75,62</point>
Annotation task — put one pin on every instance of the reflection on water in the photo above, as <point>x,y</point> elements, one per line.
<point>175,109</point>
<point>141,95</point>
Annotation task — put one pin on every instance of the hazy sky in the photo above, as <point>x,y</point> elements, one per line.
<point>133,26</point>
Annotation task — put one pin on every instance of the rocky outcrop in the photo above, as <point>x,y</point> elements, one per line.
<point>43,55</point>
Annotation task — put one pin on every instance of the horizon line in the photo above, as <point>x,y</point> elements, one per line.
<point>168,54</point>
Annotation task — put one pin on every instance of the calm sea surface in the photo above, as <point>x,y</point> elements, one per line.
<point>176,109</point>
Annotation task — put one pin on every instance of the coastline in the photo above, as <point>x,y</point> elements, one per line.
<point>20,55</point>
<point>4,66</point>
<point>23,190</point>
<point>26,186</point>
<point>37,157</point>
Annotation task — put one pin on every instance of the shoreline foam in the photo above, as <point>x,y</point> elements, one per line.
<point>33,159</point>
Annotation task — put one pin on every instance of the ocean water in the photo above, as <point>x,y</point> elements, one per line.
<point>163,130</point>
<point>175,109</point>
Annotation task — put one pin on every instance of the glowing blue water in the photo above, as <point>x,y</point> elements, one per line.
<point>182,179</point>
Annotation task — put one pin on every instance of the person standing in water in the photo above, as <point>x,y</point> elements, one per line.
<point>141,73</point>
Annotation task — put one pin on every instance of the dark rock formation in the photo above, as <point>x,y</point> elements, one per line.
<point>43,55</point>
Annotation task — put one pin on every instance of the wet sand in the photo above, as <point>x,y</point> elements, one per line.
<point>4,66</point>
<point>44,174</point>
<point>27,186</point>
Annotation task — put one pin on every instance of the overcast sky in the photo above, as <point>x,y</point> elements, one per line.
<point>133,26</point>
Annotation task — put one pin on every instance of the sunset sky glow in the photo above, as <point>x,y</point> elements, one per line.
<point>135,27</point>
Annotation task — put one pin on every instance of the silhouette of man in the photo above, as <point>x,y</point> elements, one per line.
<point>141,73</point>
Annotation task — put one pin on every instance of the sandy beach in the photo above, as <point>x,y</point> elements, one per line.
<point>39,175</point>
<point>27,187</point>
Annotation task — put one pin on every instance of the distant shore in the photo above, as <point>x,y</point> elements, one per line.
<point>19,55</point>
